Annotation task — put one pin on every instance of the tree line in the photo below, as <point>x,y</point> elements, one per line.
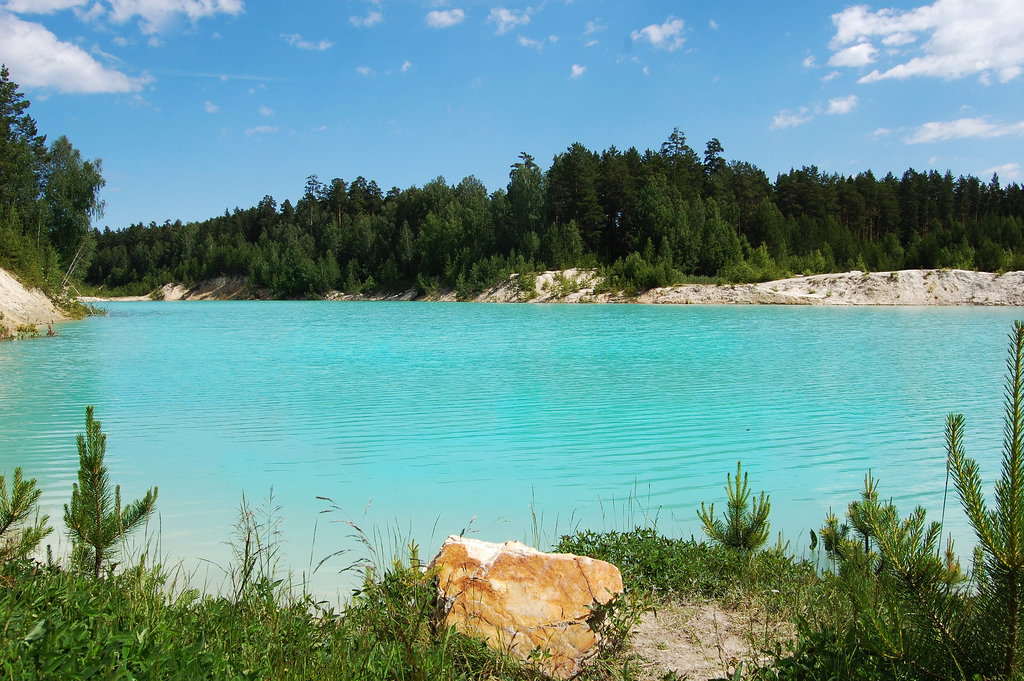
<point>643,219</point>
<point>49,196</point>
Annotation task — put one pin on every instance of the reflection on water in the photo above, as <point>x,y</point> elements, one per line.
<point>441,412</point>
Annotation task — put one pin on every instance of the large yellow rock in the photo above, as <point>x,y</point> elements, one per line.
<point>525,602</point>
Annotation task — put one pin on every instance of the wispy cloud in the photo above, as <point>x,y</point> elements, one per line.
<point>881,132</point>
<point>577,71</point>
<point>713,24</point>
<point>964,127</point>
<point>211,107</point>
<point>830,76</point>
<point>296,40</point>
<point>1007,171</point>
<point>535,44</point>
<point>594,26</point>
<point>153,13</point>
<point>667,36</point>
<point>261,130</point>
<point>266,111</point>
<point>788,119</point>
<point>371,19</point>
<point>445,18</point>
<point>507,19</point>
<point>365,71</point>
<point>841,105</point>
<point>406,66</point>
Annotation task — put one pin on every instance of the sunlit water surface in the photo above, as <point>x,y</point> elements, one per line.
<point>417,417</point>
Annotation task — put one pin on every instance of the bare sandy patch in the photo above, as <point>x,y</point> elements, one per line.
<point>702,641</point>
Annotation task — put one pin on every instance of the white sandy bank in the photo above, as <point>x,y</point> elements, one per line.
<point>22,305</point>
<point>905,287</point>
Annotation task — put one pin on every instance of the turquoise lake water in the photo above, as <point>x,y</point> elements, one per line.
<point>424,415</point>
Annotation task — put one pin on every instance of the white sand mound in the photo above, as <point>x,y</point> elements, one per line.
<point>906,287</point>
<point>21,305</point>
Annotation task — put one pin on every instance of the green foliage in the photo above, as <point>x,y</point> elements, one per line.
<point>910,612</point>
<point>95,520</point>
<point>644,220</point>
<point>20,533</point>
<point>745,524</point>
<point>682,568</point>
<point>48,197</point>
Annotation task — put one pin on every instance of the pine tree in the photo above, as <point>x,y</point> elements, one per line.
<point>95,520</point>
<point>1000,531</point>
<point>746,525</point>
<point>19,535</point>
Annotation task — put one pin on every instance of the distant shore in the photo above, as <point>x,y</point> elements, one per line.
<point>904,287</point>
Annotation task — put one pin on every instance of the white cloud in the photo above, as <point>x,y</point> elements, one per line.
<point>826,78</point>
<point>787,119</point>
<point>713,24</point>
<point>964,127</point>
<point>1007,171</point>
<point>406,66</point>
<point>667,36</point>
<point>842,105</point>
<point>371,19</point>
<point>860,54</point>
<point>260,129</point>
<point>123,42</point>
<point>265,111</point>
<point>36,58</point>
<point>445,18</point>
<point>526,42</point>
<point>647,70</point>
<point>881,132</point>
<point>211,107</point>
<point>154,41</point>
<point>553,39</point>
<point>41,6</point>
<point>590,43</point>
<point>578,71</point>
<point>94,13</point>
<point>594,26</point>
<point>507,19</point>
<point>296,40</point>
<point>809,62</point>
<point>960,38</point>
<point>365,71</point>
<point>154,13</point>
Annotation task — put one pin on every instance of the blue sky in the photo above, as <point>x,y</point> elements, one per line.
<point>200,105</point>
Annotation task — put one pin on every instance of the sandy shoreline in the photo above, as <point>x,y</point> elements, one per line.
<point>904,287</point>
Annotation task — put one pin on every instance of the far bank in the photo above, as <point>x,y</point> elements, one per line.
<point>903,287</point>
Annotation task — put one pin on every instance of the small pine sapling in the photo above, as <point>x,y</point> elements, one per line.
<point>95,520</point>
<point>745,526</point>
<point>20,536</point>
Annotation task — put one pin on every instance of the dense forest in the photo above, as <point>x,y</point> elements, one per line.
<point>643,219</point>
<point>49,196</point>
